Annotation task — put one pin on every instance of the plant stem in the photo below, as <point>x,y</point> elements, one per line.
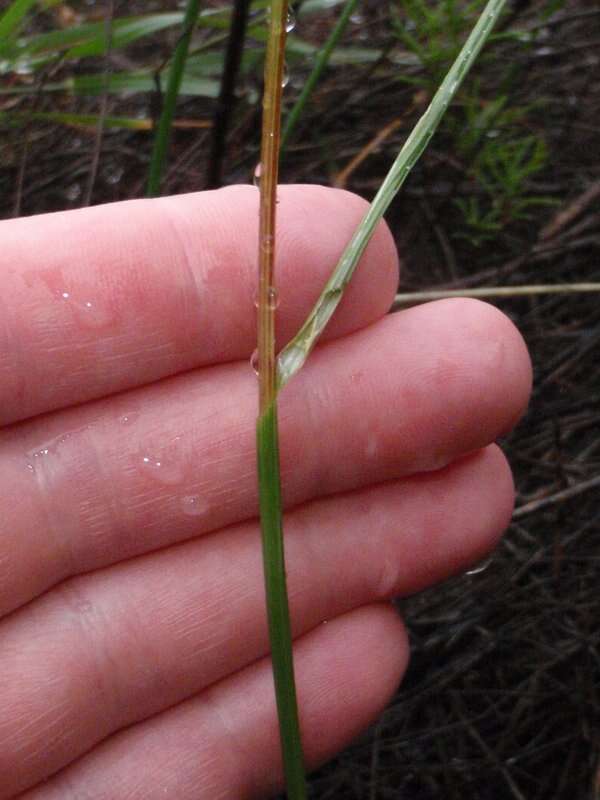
<point>412,298</point>
<point>295,353</point>
<point>163,132</point>
<point>320,64</point>
<point>226,101</point>
<point>280,634</point>
<point>267,441</point>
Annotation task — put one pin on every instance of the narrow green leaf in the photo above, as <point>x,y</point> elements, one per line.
<point>320,65</point>
<point>120,82</point>
<point>318,6</point>
<point>294,354</point>
<point>13,17</point>
<point>174,86</point>
<point>78,120</point>
<point>90,39</point>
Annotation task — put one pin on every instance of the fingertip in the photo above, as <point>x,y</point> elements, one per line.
<point>368,652</point>
<point>496,494</point>
<point>507,358</point>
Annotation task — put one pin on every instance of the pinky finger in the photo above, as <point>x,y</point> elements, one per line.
<point>224,743</point>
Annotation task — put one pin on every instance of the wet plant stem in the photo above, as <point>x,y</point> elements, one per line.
<point>274,373</point>
<point>267,439</point>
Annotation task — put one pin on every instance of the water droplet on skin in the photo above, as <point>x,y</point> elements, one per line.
<point>480,567</point>
<point>40,453</point>
<point>254,361</point>
<point>129,418</point>
<point>257,175</point>
<point>50,448</point>
<point>165,471</point>
<point>90,314</point>
<point>290,23</point>
<point>193,505</point>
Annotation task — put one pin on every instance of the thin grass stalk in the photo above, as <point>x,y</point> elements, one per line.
<point>266,429</point>
<point>321,62</point>
<point>226,101</point>
<point>413,298</point>
<point>99,134</point>
<point>295,353</point>
<point>163,132</point>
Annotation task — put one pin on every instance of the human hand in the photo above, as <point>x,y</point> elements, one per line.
<point>133,641</point>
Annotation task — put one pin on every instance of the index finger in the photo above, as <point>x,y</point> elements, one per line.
<point>107,298</point>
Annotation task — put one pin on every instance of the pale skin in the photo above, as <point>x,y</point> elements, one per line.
<point>133,644</point>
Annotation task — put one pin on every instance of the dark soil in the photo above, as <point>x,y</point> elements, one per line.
<point>502,698</point>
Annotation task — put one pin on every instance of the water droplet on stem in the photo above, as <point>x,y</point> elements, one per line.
<point>272,298</point>
<point>290,23</point>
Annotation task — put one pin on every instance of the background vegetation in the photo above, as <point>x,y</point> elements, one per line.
<point>502,699</point>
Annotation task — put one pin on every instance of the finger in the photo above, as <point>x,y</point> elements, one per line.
<point>224,743</point>
<point>114,479</point>
<point>119,295</point>
<point>108,649</point>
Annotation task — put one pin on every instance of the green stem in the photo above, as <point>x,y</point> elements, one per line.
<point>277,603</point>
<point>320,64</point>
<point>163,132</point>
<point>295,353</point>
<point>266,429</point>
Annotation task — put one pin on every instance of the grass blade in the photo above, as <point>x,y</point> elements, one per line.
<point>90,121</point>
<point>13,17</point>
<point>163,133</point>
<point>320,64</point>
<point>118,82</point>
<point>88,39</point>
<point>295,353</point>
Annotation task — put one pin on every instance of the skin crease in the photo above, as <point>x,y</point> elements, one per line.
<point>133,643</point>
